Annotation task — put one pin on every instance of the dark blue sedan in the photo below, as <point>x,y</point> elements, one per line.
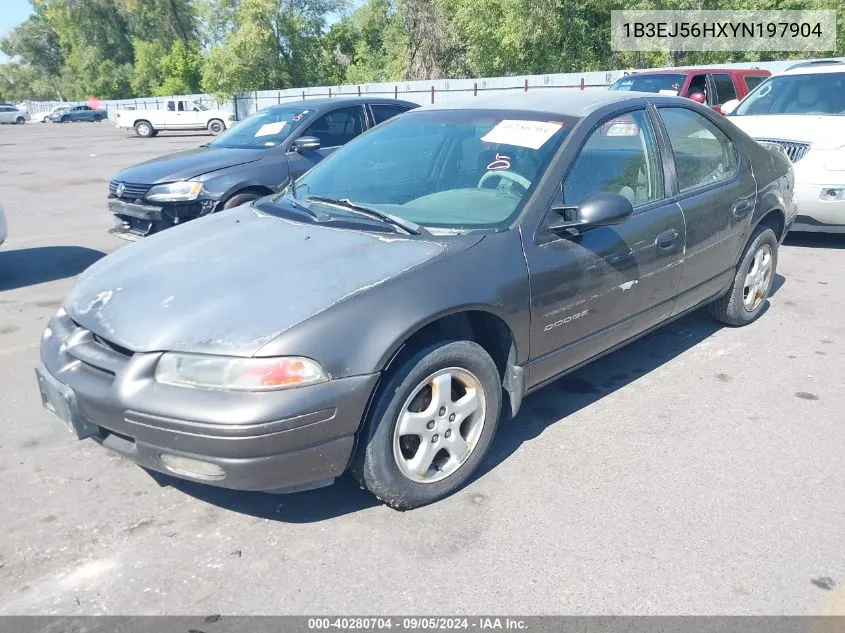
<point>79,113</point>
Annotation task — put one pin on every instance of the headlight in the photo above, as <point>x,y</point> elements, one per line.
<point>242,374</point>
<point>836,162</point>
<point>175,191</point>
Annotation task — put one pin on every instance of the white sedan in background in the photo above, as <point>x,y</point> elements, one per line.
<point>803,111</point>
<point>10,114</point>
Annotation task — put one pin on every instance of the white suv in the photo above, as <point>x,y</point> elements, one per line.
<point>803,111</point>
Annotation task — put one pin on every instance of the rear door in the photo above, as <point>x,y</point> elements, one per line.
<point>716,191</point>
<point>594,289</point>
<point>724,89</point>
<point>334,128</point>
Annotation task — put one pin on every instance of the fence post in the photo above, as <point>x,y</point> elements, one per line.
<point>432,94</point>
<point>303,95</point>
<point>278,96</point>
<point>359,91</point>
<point>395,92</point>
<point>330,92</point>
<point>582,83</point>
<point>526,84</point>
<point>475,89</point>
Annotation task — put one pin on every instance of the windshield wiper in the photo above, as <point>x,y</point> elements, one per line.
<point>345,203</point>
<point>317,214</point>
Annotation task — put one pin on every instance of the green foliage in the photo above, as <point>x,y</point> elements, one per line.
<point>72,49</point>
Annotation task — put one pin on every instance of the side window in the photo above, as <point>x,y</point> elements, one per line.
<point>171,106</point>
<point>697,84</point>
<point>620,157</point>
<point>725,90</point>
<point>182,107</point>
<point>703,153</point>
<point>337,127</point>
<point>382,112</point>
<point>752,81</point>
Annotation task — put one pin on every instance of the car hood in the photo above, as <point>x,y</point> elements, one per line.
<point>186,164</point>
<point>231,282</point>
<point>824,132</point>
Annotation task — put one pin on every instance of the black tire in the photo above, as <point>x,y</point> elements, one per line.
<point>144,129</point>
<point>65,119</point>
<point>731,307</point>
<point>375,464</point>
<point>97,118</point>
<point>20,120</point>
<point>239,199</point>
<point>155,133</point>
<point>215,126</point>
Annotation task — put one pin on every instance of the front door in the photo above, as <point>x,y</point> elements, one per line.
<point>334,129</point>
<point>594,289</point>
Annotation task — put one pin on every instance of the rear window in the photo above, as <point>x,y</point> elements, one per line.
<point>661,84</point>
<point>752,81</point>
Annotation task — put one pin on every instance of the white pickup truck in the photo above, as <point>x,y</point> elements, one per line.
<point>178,114</point>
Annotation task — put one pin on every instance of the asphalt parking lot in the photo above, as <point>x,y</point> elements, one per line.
<point>698,471</point>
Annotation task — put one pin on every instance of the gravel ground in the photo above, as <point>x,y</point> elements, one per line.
<point>698,471</point>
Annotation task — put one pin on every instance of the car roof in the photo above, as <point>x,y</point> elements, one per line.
<point>715,69</point>
<point>571,103</point>
<point>817,69</point>
<point>320,104</point>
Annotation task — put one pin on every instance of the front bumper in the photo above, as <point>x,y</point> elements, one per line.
<point>136,219</point>
<point>269,441</point>
<point>815,213</point>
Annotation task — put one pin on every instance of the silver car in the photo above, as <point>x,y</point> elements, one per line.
<point>10,114</point>
<point>2,226</point>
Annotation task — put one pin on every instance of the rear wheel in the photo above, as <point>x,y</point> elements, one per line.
<point>98,118</point>
<point>430,424</point>
<point>215,126</point>
<point>144,129</point>
<point>20,120</point>
<point>745,300</point>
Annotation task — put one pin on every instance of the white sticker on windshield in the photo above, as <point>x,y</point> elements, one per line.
<point>671,93</point>
<point>530,134</point>
<point>268,129</point>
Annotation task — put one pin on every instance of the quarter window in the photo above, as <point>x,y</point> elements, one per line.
<point>619,157</point>
<point>703,153</point>
<point>382,112</point>
<point>337,127</point>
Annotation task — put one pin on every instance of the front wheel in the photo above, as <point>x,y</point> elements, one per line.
<point>65,119</point>
<point>746,298</point>
<point>215,126</point>
<point>430,424</point>
<point>20,120</point>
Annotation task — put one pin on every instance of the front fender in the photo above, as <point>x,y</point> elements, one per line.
<point>361,333</point>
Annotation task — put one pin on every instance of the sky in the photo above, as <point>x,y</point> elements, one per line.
<point>14,12</point>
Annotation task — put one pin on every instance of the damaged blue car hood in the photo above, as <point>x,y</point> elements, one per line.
<point>232,282</point>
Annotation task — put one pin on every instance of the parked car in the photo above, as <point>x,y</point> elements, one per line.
<point>710,86</point>
<point>4,232</point>
<point>79,113</point>
<point>178,114</point>
<point>383,311</point>
<point>11,114</point>
<point>801,111</point>
<point>256,158</point>
<point>816,62</point>
<point>44,117</point>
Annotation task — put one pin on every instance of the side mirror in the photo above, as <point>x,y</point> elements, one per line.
<point>729,106</point>
<point>598,209</point>
<point>306,144</point>
<point>698,97</point>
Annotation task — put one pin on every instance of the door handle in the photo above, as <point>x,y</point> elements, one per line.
<point>666,239</point>
<point>741,208</point>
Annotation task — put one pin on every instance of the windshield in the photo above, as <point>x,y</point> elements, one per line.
<point>453,169</point>
<point>819,94</point>
<point>662,84</point>
<point>266,128</point>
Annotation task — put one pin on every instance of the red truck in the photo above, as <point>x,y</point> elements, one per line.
<point>711,86</point>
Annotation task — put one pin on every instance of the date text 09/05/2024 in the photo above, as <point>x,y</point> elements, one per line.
<point>418,623</point>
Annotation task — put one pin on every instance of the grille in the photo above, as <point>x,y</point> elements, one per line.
<point>95,352</point>
<point>131,190</point>
<point>794,150</point>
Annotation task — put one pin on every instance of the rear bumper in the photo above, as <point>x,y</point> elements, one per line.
<point>266,441</point>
